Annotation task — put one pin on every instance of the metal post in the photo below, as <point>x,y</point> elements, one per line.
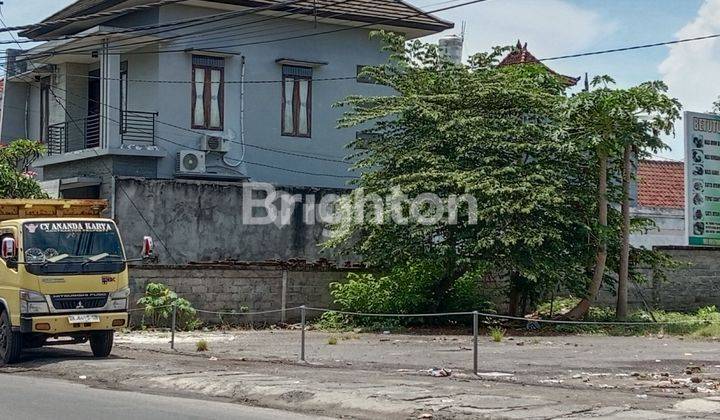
<point>302,333</point>
<point>172,327</point>
<point>475,342</point>
<point>283,296</point>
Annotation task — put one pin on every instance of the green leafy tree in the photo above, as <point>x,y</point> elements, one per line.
<point>493,132</point>
<point>17,180</point>
<point>616,124</point>
<point>543,168</point>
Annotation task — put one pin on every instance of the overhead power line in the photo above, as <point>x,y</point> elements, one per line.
<point>312,34</point>
<point>285,152</point>
<point>338,78</point>
<point>630,48</point>
<point>170,26</point>
<point>166,26</point>
<point>109,13</point>
<point>270,149</point>
<point>130,200</point>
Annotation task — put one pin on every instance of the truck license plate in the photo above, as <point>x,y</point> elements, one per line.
<point>82,319</point>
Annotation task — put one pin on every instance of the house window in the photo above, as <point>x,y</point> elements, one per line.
<point>123,95</point>
<point>208,75</point>
<point>297,101</point>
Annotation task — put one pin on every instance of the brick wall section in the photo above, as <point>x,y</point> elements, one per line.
<point>224,288</point>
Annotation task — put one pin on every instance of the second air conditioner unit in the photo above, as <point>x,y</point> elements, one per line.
<point>214,144</point>
<point>191,162</point>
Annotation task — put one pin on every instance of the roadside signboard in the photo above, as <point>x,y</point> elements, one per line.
<point>702,178</point>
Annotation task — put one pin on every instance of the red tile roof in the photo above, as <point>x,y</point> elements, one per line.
<point>520,54</point>
<point>661,184</point>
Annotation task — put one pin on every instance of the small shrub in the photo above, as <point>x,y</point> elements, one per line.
<point>470,293</point>
<point>332,321</point>
<point>158,301</point>
<point>332,341</point>
<point>201,345</point>
<point>193,324</point>
<point>497,334</point>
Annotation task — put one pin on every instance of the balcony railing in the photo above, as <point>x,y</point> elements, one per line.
<point>137,127</point>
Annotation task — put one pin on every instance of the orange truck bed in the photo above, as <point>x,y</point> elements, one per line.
<point>29,209</point>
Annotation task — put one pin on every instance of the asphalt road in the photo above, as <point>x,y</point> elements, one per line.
<point>40,398</point>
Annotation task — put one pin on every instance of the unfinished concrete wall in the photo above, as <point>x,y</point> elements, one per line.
<point>203,221</point>
<point>693,285</point>
<point>252,288</point>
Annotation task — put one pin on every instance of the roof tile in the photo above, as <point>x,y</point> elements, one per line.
<point>661,184</point>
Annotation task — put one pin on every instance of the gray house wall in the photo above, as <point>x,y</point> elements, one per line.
<point>343,51</point>
<point>14,116</point>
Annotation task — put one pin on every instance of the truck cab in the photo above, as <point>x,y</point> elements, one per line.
<point>63,276</point>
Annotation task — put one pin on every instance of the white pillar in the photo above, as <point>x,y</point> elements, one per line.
<point>109,99</point>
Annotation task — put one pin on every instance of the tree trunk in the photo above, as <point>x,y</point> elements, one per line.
<point>446,282</point>
<point>621,310</point>
<point>514,297</point>
<point>583,306</point>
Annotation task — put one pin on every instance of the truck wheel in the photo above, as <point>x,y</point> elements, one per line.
<point>10,342</point>
<point>101,343</point>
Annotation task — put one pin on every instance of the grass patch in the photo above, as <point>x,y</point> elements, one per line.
<point>705,322</point>
<point>201,345</point>
<point>497,334</point>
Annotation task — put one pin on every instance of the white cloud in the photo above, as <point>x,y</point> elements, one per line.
<point>550,27</point>
<point>691,69</point>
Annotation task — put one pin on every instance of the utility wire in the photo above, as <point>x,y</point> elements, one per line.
<point>343,29</point>
<point>203,33</point>
<point>286,152</point>
<point>552,58</point>
<point>109,13</point>
<point>201,133</point>
<point>142,216</point>
<point>631,48</point>
<point>165,27</point>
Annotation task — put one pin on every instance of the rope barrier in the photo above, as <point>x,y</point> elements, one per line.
<point>475,317</point>
<point>272,311</point>
<point>441,314</point>
<point>388,315</point>
<point>146,309</point>
<point>515,318</point>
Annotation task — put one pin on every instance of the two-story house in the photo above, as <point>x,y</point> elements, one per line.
<point>221,90</point>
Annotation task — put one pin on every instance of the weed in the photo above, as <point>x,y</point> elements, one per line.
<point>332,341</point>
<point>497,334</point>
<point>201,345</point>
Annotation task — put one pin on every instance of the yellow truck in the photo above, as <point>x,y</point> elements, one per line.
<point>63,276</point>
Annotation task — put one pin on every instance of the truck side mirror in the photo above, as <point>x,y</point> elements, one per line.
<point>8,248</point>
<point>148,247</point>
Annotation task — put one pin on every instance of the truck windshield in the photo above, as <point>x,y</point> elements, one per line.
<point>66,247</point>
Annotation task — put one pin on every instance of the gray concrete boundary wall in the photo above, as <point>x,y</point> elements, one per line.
<point>693,285</point>
<point>195,221</point>
<point>224,288</point>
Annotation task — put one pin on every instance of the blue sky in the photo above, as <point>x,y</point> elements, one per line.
<point>558,27</point>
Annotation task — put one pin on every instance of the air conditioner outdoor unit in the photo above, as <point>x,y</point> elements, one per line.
<point>214,144</point>
<point>191,162</point>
